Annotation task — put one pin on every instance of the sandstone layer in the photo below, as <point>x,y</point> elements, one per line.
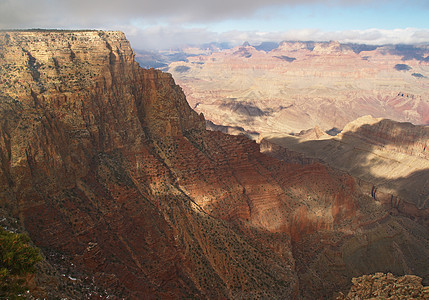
<point>117,181</point>
<point>299,86</point>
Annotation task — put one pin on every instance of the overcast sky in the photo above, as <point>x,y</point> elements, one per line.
<point>164,24</point>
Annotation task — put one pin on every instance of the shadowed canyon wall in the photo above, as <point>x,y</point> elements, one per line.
<point>112,173</point>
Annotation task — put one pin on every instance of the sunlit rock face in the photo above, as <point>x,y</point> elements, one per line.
<point>110,170</point>
<point>299,86</point>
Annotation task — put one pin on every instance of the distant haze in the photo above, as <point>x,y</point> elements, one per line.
<point>151,24</point>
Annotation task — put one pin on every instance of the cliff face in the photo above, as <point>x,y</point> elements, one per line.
<point>94,151</point>
<point>115,178</point>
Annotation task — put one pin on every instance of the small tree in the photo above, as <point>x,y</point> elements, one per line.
<point>17,259</point>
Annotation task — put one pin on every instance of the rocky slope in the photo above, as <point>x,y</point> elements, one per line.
<point>299,86</point>
<point>117,181</point>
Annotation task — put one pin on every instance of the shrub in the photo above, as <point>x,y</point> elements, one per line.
<point>17,259</point>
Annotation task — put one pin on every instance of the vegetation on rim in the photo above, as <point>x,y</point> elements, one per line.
<point>17,260</point>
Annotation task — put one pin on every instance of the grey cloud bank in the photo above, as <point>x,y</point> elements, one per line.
<point>24,13</point>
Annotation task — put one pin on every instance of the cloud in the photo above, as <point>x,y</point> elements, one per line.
<point>370,36</point>
<point>381,36</point>
<point>96,13</point>
<point>169,37</point>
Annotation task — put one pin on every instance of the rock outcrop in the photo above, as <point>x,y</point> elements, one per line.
<point>387,286</point>
<point>115,178</point>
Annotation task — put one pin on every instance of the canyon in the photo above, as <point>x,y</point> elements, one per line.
<point>300,85</point>
<point>116,179</point>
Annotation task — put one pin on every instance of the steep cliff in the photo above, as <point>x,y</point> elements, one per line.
<point>116,180</point>
<point>93,151</point>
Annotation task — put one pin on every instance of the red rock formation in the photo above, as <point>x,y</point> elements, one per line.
<point>106,164</point>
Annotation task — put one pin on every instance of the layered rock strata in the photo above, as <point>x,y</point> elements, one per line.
<point>115,177</point>
<point>299,86</point>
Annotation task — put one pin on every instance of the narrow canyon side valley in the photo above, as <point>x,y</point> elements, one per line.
<point>115,178</point>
